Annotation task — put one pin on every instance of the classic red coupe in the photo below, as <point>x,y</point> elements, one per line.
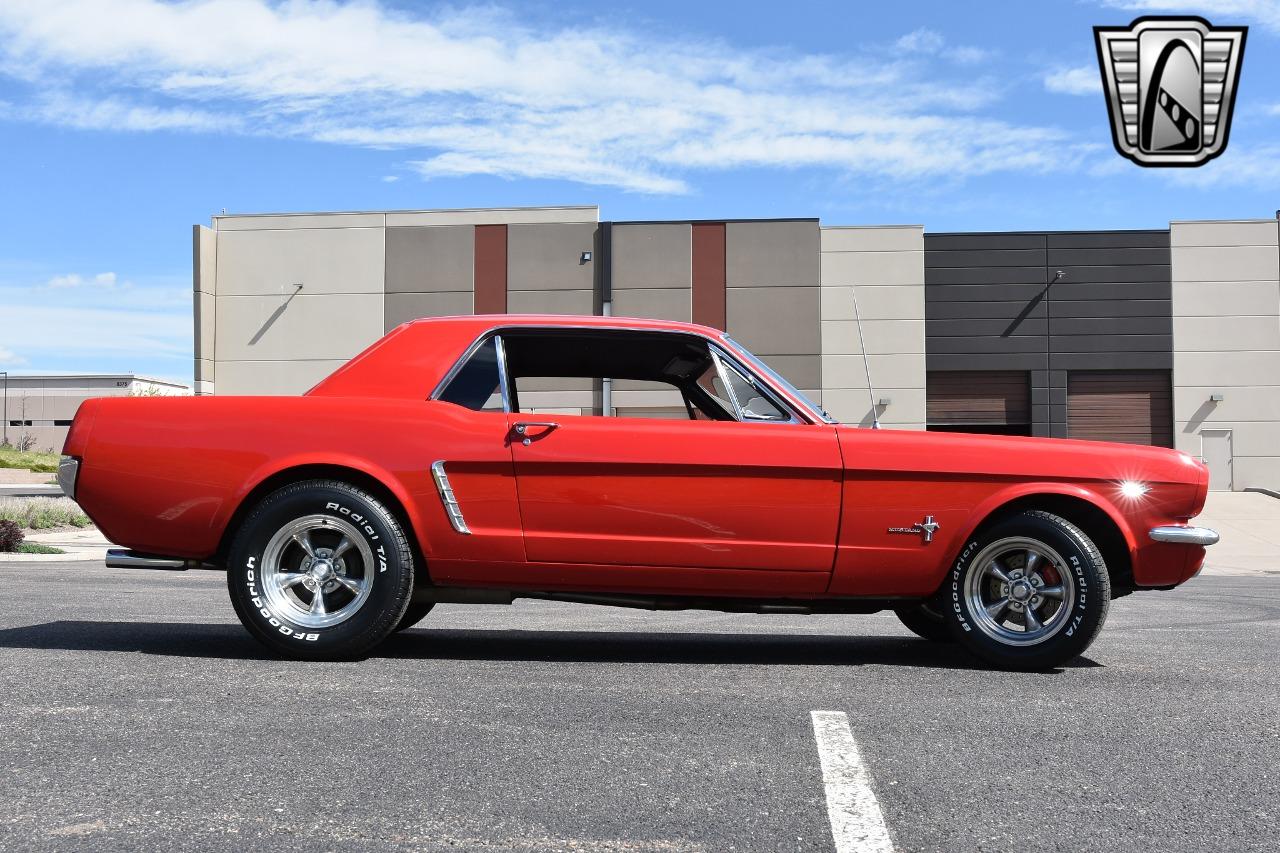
<point>414,475</point>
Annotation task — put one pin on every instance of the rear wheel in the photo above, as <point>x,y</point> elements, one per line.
<point>925,620</point>
<point>320,570</point>
<point>1029,592</point>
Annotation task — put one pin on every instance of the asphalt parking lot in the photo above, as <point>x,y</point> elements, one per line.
<point>138,714</point>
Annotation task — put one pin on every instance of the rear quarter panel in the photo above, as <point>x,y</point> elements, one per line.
<point>165,476</point>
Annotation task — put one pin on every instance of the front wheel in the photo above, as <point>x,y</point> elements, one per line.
<point>1029,592</point>
<point>320,570</point>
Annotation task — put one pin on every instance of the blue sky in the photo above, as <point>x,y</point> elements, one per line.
<point>122,123</point>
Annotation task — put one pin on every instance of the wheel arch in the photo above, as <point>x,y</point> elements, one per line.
<point>380,484</point>
<point>1083,508</point>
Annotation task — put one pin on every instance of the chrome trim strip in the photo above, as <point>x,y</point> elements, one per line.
<point>504,383</point>
<point>1183,535</point>
<point>121,558</point>
<point>68,471</point>
<point>721,357</point>
<point>785,400</point>
<point>447,498</point>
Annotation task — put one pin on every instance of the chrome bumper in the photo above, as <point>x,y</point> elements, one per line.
<point>119,558</point>
<point>1183,535</point>
<point>68,470</point>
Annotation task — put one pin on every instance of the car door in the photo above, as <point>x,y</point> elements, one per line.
<point>676,493</point>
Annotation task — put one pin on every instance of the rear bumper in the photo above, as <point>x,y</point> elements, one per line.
<point>1179,534</point>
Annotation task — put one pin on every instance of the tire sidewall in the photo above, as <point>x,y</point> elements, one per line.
<point>1088,606</point>
<point>391,575</point>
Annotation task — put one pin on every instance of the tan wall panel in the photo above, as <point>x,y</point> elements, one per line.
<point>840,337</point>
<point>897,302</point>
<point>494,216</point>
<point>203,305</point>
<point>1225,369</point>
<point>547,257</point>
<point>1226,334</point>
<point>897,370</point>
<point>551,302</point>
<point>327,326</point>
<point>1244,233</point>
<point>651,257</point>
<point>275,378</point>
<point>297,221</point>
<point>774,320</point>
<point>853,406</point>
<point>873,238</point>
<point>1237,404</point>
<point>1226,298</point>
<point>661,304</point>
<point>1243,263</point>
<point>846,268</point>
<point>430,260</point>
<point>771,254</point>
<point>205,260</point>
<point>204,370</point>
<point>348,260</point>
<point>403,307</point>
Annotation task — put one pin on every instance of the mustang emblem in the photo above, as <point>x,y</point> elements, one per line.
<point>928,527</point>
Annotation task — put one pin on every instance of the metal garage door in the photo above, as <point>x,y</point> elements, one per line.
<point>993,401</point>
<point>1135,407</point>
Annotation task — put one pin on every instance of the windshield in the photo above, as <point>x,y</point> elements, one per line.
<point>777,379</point>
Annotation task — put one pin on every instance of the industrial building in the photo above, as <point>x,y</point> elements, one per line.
<point>38,408</point>
<point>1168,336</point>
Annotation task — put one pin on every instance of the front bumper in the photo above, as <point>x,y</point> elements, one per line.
<point>1180,534</point>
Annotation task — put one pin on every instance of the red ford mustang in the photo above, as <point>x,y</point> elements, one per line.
<point>422,472</point>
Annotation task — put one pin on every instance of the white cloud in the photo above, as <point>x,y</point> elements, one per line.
<point>1084,80</point>
<point>1256,168</point>
<point>64,330</point>
<point>933,43</point>
<point>9,358</point>
<point>390,179</point>
<point>104,280</point>
<point>478,92</point>
<point>1264,12</point>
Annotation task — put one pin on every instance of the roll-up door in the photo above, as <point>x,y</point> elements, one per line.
<point>1134,407</point>
<point>991,401</point>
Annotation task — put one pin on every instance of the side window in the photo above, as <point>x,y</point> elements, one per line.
<point>752,402</point>
<point>477,386</point>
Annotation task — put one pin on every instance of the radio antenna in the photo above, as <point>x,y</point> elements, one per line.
<point>866,364</point>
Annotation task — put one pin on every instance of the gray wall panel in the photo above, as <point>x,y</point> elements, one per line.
<point>983,241</point>
<point>437,259</point>
<point>988,258</point>
<point>981,276</point>
<point>1109,240</point>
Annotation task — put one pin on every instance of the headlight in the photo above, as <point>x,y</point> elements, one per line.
<point>1133,490</point>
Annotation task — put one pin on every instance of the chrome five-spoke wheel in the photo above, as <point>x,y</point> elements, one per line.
<point>317,571</point>
<point>1019,591</point>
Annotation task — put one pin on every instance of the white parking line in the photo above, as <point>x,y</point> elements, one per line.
<point>856,821</point>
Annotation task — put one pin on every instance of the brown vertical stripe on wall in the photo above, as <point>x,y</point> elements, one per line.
<point>491,269</point>
<point>708,274</point>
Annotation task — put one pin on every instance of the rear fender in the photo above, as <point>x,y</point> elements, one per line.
<point>375,472</point>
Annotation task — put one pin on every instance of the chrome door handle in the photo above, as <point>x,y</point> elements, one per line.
<point>522,429</point>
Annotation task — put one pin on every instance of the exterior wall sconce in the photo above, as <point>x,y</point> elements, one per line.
<point>585,259</point>
<point>1216,398</point>
<point>884,401</point>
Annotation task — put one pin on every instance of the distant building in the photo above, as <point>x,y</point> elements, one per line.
<point>1165,336</point>
<point>42,405</point>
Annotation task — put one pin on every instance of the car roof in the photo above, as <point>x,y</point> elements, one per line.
<point>483,322</point>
